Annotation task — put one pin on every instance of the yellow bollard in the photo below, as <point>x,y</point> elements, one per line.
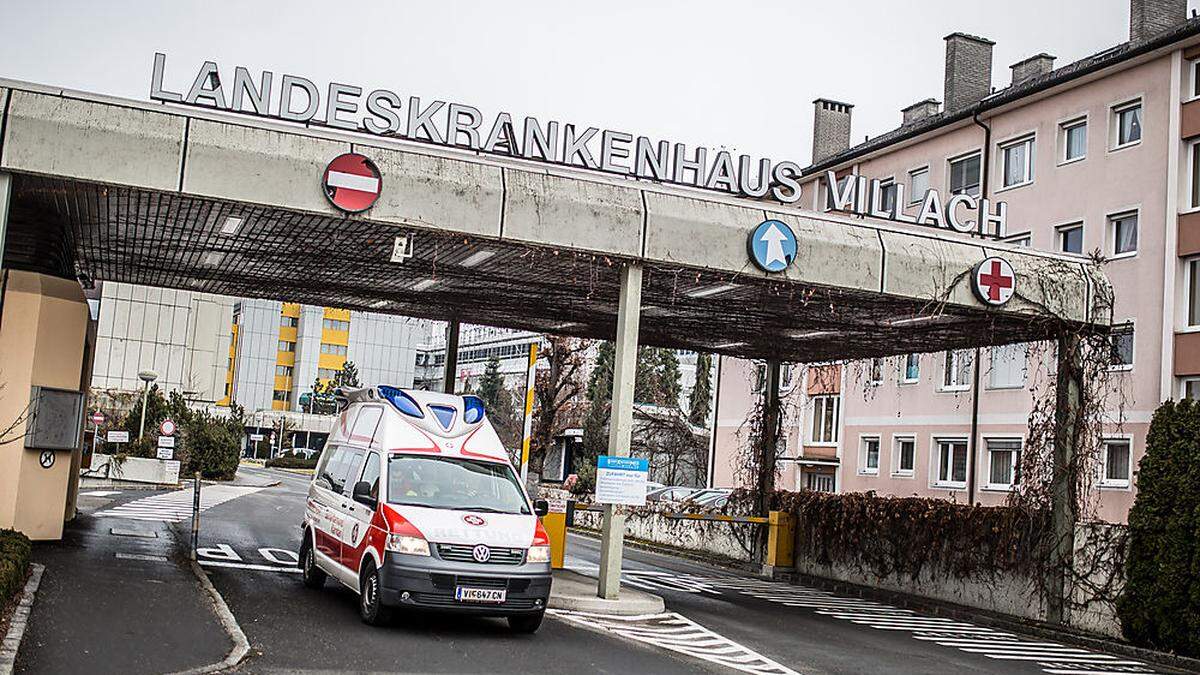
<point>556,529</point>
<point>781,539</point>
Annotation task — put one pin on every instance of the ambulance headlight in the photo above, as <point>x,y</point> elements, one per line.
<point>538,554</point>
<point>400,543</point>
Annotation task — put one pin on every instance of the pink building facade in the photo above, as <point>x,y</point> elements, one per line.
<point>1099,155</point>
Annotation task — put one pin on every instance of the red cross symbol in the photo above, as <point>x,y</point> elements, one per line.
<point>996,281</point>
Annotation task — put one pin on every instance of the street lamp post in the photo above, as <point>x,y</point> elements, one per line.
<point>146,376</point>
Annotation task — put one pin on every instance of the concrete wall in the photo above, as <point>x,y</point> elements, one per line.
<point>135,470</point>
<point>42,338</point>
<point>711,537</point>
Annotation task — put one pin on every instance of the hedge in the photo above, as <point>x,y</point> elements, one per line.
<point>1160,604</point>
<point>14,563</point>
<point>287,462</point>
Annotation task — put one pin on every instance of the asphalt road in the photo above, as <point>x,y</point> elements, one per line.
<point>716,621</point>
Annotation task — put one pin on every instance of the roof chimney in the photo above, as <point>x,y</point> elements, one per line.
<point>831,128</point>
<point>1148,18</point>
<point>920,110</point>
<point>968,70</point>
<point>1034,66</point>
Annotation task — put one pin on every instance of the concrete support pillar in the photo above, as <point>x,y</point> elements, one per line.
<point>620,431</point>
<point>5,198</point>
<point>451,371</point>
<point>1068,427</point>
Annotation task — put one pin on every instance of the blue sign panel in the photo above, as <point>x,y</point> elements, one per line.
<point>626,463</point>
<point>772,246</point>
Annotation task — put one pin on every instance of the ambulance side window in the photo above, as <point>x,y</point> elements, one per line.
<point>354,461</point>
<point>370,473</point>
<point>334,471</point>
<point>364,425</point>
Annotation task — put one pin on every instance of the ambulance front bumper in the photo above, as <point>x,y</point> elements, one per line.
<point>429,582</point>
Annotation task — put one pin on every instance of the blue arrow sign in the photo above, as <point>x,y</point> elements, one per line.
<point>772,246</point>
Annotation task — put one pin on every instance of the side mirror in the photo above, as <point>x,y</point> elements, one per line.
<point>362,494</point>
<point>541,507</point>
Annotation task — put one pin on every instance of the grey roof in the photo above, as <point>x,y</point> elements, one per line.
<point>1080,68</point>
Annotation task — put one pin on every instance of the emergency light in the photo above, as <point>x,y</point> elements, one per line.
<point>403,402</point>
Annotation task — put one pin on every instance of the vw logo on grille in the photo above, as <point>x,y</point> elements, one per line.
<point>481,553</point>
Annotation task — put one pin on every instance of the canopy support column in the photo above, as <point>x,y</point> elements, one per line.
<point>451,370</point>
<point>620,431</point>
<point>1068,423</point>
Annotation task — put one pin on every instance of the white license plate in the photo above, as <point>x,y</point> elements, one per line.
<point>479,594</point>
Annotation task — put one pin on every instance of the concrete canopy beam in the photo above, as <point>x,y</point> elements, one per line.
<point>432,191</point>
<point>92,141</point>
<point>555,210</point>
<point>1047,284</point>
<point>832,254</point>
<point>929,268</point>
<point>699,232</point>
<point>261,166</point>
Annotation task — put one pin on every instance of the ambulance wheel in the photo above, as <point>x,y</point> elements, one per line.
<point>525,623</point>
<point>371,610</point>
<point>313,576</point>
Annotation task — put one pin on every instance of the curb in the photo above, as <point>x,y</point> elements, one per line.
<point>582,598</point>
<point>20,619</point>
<point>241,646</point>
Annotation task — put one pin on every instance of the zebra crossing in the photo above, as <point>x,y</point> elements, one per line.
<point>175,506</point>
<point>681,635</point>
<point>1052,657</point>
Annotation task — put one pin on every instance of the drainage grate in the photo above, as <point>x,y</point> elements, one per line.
<point>140,556</point>
<point>120,532</point>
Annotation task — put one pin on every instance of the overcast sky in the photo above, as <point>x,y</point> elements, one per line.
<point>741,75</point>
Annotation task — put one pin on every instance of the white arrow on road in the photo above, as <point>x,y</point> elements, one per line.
<point>774,239</point>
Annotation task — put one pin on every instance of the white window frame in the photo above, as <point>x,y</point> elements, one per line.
<point>903,377</point>
<point>863,469</point>
<point>1133,352</point>
<point>875,368</point>
<point>1191,294</point>
<point>935,463</point>
<point>1025,138</point>
<point>986,464</point>
<point>1104,482</point>
<point>1183,386</point>
<point>946,357</point>
<point>1191,92</point>
<point>890,182</point>
<point>1061,229</point>
<point>897,470</point>
<point>1114,122</point>
<point>1024,239</point>
<point>992,368</point>
<point>950,161</point>
<point>1063,127</point>
<point>913,197</point>
<point>837,411</point>
<point>1193,204</point>
<point>1110,226</point>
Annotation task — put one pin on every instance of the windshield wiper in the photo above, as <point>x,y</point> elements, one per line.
<point>484,509</point>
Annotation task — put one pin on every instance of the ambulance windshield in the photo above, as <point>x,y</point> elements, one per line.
<point>460,484</point>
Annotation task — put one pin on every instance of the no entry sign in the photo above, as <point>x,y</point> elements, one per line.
<point>994,281</point>
<point>352,182</point>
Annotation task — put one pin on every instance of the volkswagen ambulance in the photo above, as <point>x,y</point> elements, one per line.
<point>415,504</point>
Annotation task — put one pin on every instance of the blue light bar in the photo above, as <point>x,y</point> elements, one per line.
<point>403,402</point>
<point>472,409</point>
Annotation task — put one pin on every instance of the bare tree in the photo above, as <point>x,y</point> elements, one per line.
<point>556,394</point>
<point>677,451</point>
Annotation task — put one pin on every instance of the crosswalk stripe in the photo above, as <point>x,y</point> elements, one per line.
<point>175,506</point>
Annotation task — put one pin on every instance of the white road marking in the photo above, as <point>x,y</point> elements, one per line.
<point>250,566</point>
<point>100,493</point>
<point>141,556</point>
<point>663,630</point>
<point>175,506</point>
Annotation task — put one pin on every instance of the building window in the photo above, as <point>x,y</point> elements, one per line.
<point>918,181</point>
<point>279,395</point>
<point>819,482</point>
<point>957,374</point>
<point>1194,178</point>
<point>1121,343</point>
<point>1117,458</point>
<point>1127,123</point>
<point>951,463</point>
<point>1191,389</point>
<point>228,387</point>
<point>825,419</point>
<point>1070,238</point>
<point>289,321</point>
<point>286,346</point>
<point>1124,229</point>
<point>964,175</point>
<point>1193,292</point>
<point>887,195</point>
<point>1073,139</point>
<point>910,369</point>
<point>327,348</point>
<point>868,460</point>
<point>335,324</point>
<point>1002,462</point>
<point>905,456</point>
<point>1016,162</point>
<point>1024,240</point>
<point>875,372</point>
<point>829,193</point>
<point>1193,80</point>
<point>283,371</point>
<point>1008,367</point>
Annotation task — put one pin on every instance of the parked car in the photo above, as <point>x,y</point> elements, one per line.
<point>675,493</point>
<point>414,504</point>
<point>708,498</point>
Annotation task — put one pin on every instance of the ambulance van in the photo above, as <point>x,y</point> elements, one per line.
<point>414,504</point>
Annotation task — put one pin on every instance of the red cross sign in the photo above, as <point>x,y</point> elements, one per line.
<point>995,281</point>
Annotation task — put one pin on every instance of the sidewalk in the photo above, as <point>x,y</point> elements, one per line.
<point>118,603</point>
